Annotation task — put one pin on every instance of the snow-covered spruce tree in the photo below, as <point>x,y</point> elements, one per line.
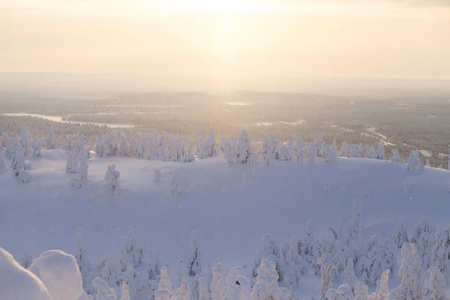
<point>349,276</point>
<point>325,282</point>
<point>345,150</point>
<point>415,165</point>
<point>182,293</point>
<point>269,247</point>
<point>268,148</point>
<point>152,153</point>
<point>311,152</point>
<point>382,292</point>
<point>211,144</point>
<point>124,149</point>
<point>437,284</point>
<point>202,290</point>
<point>2,162</point>
<point>380,151</point>
<point>72,161</point>
<point>231,289</point>
<point>102,290</point>
<point>355,223</point>
<point>321,250</point>
<point>396,157</point>
<point>423,236</point>
<point>141,148</point>
<point>217,282</point>
<point>132,254</point>
<point>440,251</point>
<point>282,152</point>
<point>125,292</point>
<point>36,145</point>
<point>243,148</point>
<point>379,258</point>
<point>411,276</point>
<point>194,263</point>
<point>10,148</point>
<point>308,242</point>
<point>292,262</point>
<point>181,271</point>
<point>343,253</point>
<point>299,151</point>
<point>164,291</point>
<point>175,184</point>
<point>83,169</point>
<point>162,146</point>
<point>266,286</point>
<point>361,291</point>
<point>83,265</point>
<point>400,236</point>
<point>25,141</point>
<point>227,150</point>
<point>112,179</point>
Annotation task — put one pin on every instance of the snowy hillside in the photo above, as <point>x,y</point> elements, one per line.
<point>232,206</point>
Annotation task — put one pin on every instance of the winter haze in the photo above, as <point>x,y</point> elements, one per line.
<point>224,150</point>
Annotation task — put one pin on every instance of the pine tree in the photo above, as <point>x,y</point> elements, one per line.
<point>194,263</point>
<point>411,276</point>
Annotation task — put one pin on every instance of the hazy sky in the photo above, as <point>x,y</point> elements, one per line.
<point>226,42</point>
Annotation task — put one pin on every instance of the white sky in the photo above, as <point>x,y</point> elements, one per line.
<point>227,42</point>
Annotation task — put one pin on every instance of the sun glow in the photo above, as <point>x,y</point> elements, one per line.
<point>220,7</point>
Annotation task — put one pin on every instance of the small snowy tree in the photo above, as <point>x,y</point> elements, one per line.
<point>266,286</point>
<point>102,290</point>
<point>132,254</point>
<point>349,276</point>
<point>125,292</point>
<point>52,141</point>
<point>437,284</point>
<point>299,151</point>
<point>268,149</point>
<point>308,242</point>
<point>440,252</point>
<point>182,293</point>
<point>415,165</point>
<point>325,282</point>
<point>217,282</point>
<point>411,276</point>
<point>112,179</point>
<point>400,236</point>
<point>269,247</point>
<point>175,184</point>
<point>396,157</point>
<point>423,235</point>
<point>382,292</point>
<point>194,263</point>
<point>380,151</point>
<point>72,164</point>
<point>36,145</point>
<point>355,223</point>
<point>83,265</point>
<point>243,148</point>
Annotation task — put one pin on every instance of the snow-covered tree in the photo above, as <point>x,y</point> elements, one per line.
<point>343,253</point>
<point>2,163</point>
<point>292,262</point>
<point>175,184</point>
<point>423,236</point>
<point>36,145</point>
<point>299,151</point>
<point>102,290</point>
<point>380,151</point>
<point>124,149</point>
<point>194,263</point>
<point>396,157</point>
<point>349,276</point>
<point>83,169</point>
<point>243,148</point>
<point>162,146</point>
<point>361,291</point>
<point>132,254</point>
<point>345,150</point>
<point>379,258</point>
<point>269,247</point>
<point>202,289</point>
<point>311,152</point>
<point>325,282</point>
<point>112,179</point>
<point>182,293</point>
<point>321,249</point>
<point>217,282</point>
<point>440,251</point>
<point>308,242</point>
<point>437,284</point>
<point>268,148</point>
<point>382,291</point>
<point>72,163</point>
<point>181,271</point>
<point>83,265</point>
<point>411,276</point>
<point>164,282</point>
<point>400,235</point>
<point>415,165</point>
<point>355,223</point>
<point>266,286</point>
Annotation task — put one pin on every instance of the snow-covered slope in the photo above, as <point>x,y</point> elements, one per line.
<point>231,205</point>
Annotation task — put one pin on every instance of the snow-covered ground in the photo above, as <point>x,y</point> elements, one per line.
<point>231,205</point>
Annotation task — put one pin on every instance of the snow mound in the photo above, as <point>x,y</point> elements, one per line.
<point>60,274</point>
<point>18,283</point>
